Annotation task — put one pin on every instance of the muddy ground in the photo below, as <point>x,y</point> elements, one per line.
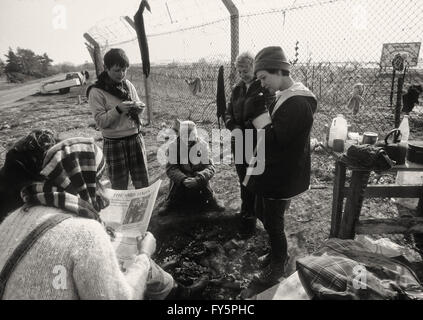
<point>208,244</point>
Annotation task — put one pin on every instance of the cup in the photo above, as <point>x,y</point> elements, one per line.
<point>338,145</point>
<point>369,138</point>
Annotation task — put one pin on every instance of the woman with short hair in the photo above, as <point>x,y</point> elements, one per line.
<point>116,108</point>
<point>246,94</point>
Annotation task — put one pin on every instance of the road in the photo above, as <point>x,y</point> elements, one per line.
<point>9,96</point>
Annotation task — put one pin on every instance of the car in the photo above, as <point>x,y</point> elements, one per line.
<point>73,79</point>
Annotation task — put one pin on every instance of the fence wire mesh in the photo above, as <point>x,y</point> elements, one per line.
<point>339,44</point>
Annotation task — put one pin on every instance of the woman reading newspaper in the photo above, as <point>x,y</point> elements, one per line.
<point>71,255</point>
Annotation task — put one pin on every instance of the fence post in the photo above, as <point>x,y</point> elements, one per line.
<point>98,58</point>
<point>233,10</point>
<point>398,104</point>
<point>146,79</point>
<point>90,49</point>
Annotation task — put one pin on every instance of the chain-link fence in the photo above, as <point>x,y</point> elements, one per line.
<point>339,45</point>
<point>333,45</point>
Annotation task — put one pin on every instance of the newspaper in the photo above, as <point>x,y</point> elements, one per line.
<point>129,215</point>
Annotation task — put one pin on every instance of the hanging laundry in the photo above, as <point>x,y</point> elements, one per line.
<point>194,85</point>
<point>142,37</point>
<point>357,99</point>
<point>220,95</point>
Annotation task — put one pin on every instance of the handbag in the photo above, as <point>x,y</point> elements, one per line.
<point>369,157</point>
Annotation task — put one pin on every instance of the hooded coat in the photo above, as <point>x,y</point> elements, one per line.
<point>182,167</point>
<point>287,146</point>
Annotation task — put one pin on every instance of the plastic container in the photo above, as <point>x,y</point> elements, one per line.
<point>404,177</point>
<point>338,129</point>
<point>405,129</point>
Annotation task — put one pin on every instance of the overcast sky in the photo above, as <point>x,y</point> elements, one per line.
<point>55,27</point>
<point>339,31</point>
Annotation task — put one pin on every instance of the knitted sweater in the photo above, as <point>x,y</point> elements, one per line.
<point>112,123</point>
<point>73,260</point>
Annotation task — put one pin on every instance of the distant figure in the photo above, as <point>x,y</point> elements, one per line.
<point>195,85</point>
<point>189,169</point>
<point>87,75</point>
<point>356,100</point>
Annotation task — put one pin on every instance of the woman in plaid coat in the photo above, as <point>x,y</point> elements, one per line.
<point>116,108</point>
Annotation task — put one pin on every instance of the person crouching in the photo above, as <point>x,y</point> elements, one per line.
<point>190,169</point>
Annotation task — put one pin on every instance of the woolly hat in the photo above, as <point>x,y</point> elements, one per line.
<point>271,58</point>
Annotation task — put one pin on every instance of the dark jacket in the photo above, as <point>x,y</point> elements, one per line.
<point>287,150</point>
<point>241,98</point>
<point>18,171</point>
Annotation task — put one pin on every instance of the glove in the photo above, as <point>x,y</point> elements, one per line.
<point>262,120</point>
<point>254,107</point>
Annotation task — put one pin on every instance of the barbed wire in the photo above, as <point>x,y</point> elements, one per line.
<point>105,30</point>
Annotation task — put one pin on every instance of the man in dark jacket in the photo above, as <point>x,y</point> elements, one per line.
<point>286,173</point>
<point>245,94</point>
<point>190,168</point>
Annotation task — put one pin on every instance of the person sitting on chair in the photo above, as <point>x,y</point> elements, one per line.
<point>189,168</point>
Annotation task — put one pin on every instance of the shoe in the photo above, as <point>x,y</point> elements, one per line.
<point>271,274</point>
<point>264,261</point>
<point>248,227</point>
<point>215,205</point>
<point>192,292</point>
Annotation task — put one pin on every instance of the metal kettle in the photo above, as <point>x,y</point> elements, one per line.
<point>394,148</point>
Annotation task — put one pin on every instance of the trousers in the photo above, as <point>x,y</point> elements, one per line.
<point>271,212</point>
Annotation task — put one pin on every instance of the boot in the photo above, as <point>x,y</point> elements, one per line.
<point>271,274</point>
<point>248,227</point>
<point>215,204</point>
<point>264,260</point>
<point>192,292</point>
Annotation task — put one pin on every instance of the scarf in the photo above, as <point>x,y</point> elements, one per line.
<point>71,170</point>
<point>119,90</point>
<point>297,89</point>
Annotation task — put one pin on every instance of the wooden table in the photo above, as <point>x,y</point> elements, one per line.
<point>346,224</point>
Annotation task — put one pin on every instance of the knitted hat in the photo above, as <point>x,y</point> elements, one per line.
<point>271,58</point>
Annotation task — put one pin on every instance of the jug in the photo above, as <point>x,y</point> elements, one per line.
<point>338,129</point>
<point>394,148</point>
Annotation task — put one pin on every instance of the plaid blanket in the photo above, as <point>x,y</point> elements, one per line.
<point>346,269</point>
<point>71,170</point>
